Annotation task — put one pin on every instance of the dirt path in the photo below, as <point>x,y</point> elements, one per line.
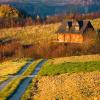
<point>2,85</point>
<point>16,95</point>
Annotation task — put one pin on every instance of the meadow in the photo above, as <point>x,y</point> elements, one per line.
<point>73,64</point>
<point>62,78</point>
<point>75,86</point>
<point>10,67</point>
<point>31,34</point>
<point>69,67</point>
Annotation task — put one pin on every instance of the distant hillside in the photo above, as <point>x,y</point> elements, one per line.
<point>43,9</point>
<point>58,2</point>
<point>6,11</point>
<point>52,7</point>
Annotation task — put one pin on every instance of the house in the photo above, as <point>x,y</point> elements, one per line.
<point>75,31</point>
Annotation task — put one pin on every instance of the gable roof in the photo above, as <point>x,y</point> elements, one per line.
<point>83,25</point>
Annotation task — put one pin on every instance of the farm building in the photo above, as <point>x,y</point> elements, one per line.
<point>75,31</point>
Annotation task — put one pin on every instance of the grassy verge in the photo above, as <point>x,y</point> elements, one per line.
<point>27,93</point>
<point>11,67</point>
<point>9,89</point>
<point>83,58</point>
<point>69,67</point>
<point>2,79</point>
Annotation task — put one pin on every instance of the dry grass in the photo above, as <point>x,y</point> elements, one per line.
<point>96,23</point>
<point>31,34</point>
<point>77,86</point>
<point>84,58</point>
<point>10,67</point>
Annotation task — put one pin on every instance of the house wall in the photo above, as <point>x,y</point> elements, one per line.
<point>76,38</point>
<point>60,38</point>
<point>70,38</point>
<point>77,28</point>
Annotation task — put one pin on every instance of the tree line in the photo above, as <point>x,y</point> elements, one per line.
<point>26,21</point>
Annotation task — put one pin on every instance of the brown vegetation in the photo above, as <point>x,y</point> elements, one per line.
<point>83,86</point>
<point>47,49</point>
<point>10,67</point>
<point>15,22</point>
<point>6,11</point>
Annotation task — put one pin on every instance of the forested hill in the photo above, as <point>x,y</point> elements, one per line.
<point>6,11</point>
<point>52,7</point>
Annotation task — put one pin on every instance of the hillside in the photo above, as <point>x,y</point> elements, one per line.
<point>6,11</point>
<point>31,34</point>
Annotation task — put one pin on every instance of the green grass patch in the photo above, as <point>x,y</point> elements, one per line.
<point>9,89</point>
<point>69,67</point>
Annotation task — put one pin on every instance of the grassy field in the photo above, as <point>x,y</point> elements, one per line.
<point>30,34</point>
<point>15,82</point>
<point>83,58</point>
<point>71,65</point>
<point>76,86</point>
<point>10,67</point>
<point>76,78</point>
